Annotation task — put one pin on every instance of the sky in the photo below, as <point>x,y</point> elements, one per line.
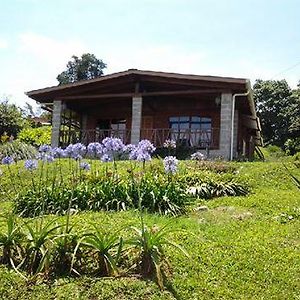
<point>248,39</point>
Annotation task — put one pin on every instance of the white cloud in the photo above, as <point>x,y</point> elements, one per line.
<point>3,43</point>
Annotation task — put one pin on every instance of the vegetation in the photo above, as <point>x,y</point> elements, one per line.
<point>238,246</point>
<point>86,67</point>
<point>35,136</point>
<point>11,119</point>
<point>17,150</point>
<point>278,107</point>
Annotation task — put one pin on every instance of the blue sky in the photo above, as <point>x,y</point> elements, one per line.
<point>252,39</point>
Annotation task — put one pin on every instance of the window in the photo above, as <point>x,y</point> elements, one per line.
<point>118,125</point>
<point>112,127</point>
<point>191,130</point>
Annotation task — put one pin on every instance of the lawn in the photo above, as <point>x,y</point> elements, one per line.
<point>240,248</point>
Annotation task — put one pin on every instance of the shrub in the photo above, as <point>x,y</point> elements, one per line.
<point>150,243</point>
<point>274,151</point>
<point>292,146</point>
<point>17,150</point>
<point>36,136</point>
<point>152,194</point>
<point>11,119</point>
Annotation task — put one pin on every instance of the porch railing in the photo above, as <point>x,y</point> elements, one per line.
<point>188,137</point>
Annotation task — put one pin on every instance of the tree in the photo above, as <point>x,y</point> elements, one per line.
<point>11,119</point>
<point>276,105</point>
<point>86,67</point>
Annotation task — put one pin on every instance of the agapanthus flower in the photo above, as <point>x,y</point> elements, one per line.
<point>114,145</point>
<point>7,160</point>
<point>76,156</point>
<point>58,152</point>
<point>31,164</point>
<point>94,149</point>
<point>45,148</point>
<point>46,157</point>
<point>69,150</point>
<point>170,144</point>
<point>197,156</point>
<point>170,164</point>
<point>79,148</point>
<point>49,158</point>
<point>106,158</point>
<point>142,155</point>
<point>146,145</point>
<point>84,166</point>
<point>129,148</point>
<point>75,151</point>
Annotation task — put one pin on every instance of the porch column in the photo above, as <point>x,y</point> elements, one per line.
<point>136,119</point>
<point>235,133</point>
<point>56,122</point>
<point>225,124</point>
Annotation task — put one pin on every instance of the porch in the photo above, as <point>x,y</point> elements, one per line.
<point>198,139</point>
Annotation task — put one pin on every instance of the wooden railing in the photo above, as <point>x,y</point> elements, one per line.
<point>189,137</point>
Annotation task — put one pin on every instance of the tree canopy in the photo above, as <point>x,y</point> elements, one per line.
<point>278,107</point>
<point>88,66</point>
<point>11,118</point>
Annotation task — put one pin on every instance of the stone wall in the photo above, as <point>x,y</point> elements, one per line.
<point>56,122</point>
<point>137,103</point>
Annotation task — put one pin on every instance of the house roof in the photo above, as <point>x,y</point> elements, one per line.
<point>34,94</point>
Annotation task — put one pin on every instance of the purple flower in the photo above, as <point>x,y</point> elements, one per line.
<point>106,158</point>
<point>31,164</point>
<point>76,156</point>
<point>85,166</point>
<point>45,148</point>
<point>170,164</point>
<point>142,155</point>
<point>170,144</point>
<point>129,148</point>
<point>58,152</point>
<point>113,145</point>
<point>94,149</point>
<point>7,160</point>
<point>69,150</point>
<point>79,149</point>
<point>75,151</point>
<point>197,156</point>
<point>46,157</point>
<point>146,146</point>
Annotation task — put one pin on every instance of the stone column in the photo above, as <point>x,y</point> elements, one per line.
<point>225,124</point>
<point>56,122</point>
<point>136,119</point>
<point>235,132</point>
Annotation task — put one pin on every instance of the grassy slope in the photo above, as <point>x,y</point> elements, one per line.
<point>235,255</point>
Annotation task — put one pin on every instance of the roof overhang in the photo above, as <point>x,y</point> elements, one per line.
<point>132,75</point>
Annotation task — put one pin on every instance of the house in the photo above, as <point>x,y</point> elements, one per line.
<point>215,114</point>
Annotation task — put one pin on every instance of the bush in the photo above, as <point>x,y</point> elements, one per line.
<point>292,146</point>
<point>152,194</point>
<point>36,136</point>
<point>11,119</point>
<point>272,151</point>
<point>17,150</point>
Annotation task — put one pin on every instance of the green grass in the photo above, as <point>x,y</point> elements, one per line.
<point>238,248</point>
